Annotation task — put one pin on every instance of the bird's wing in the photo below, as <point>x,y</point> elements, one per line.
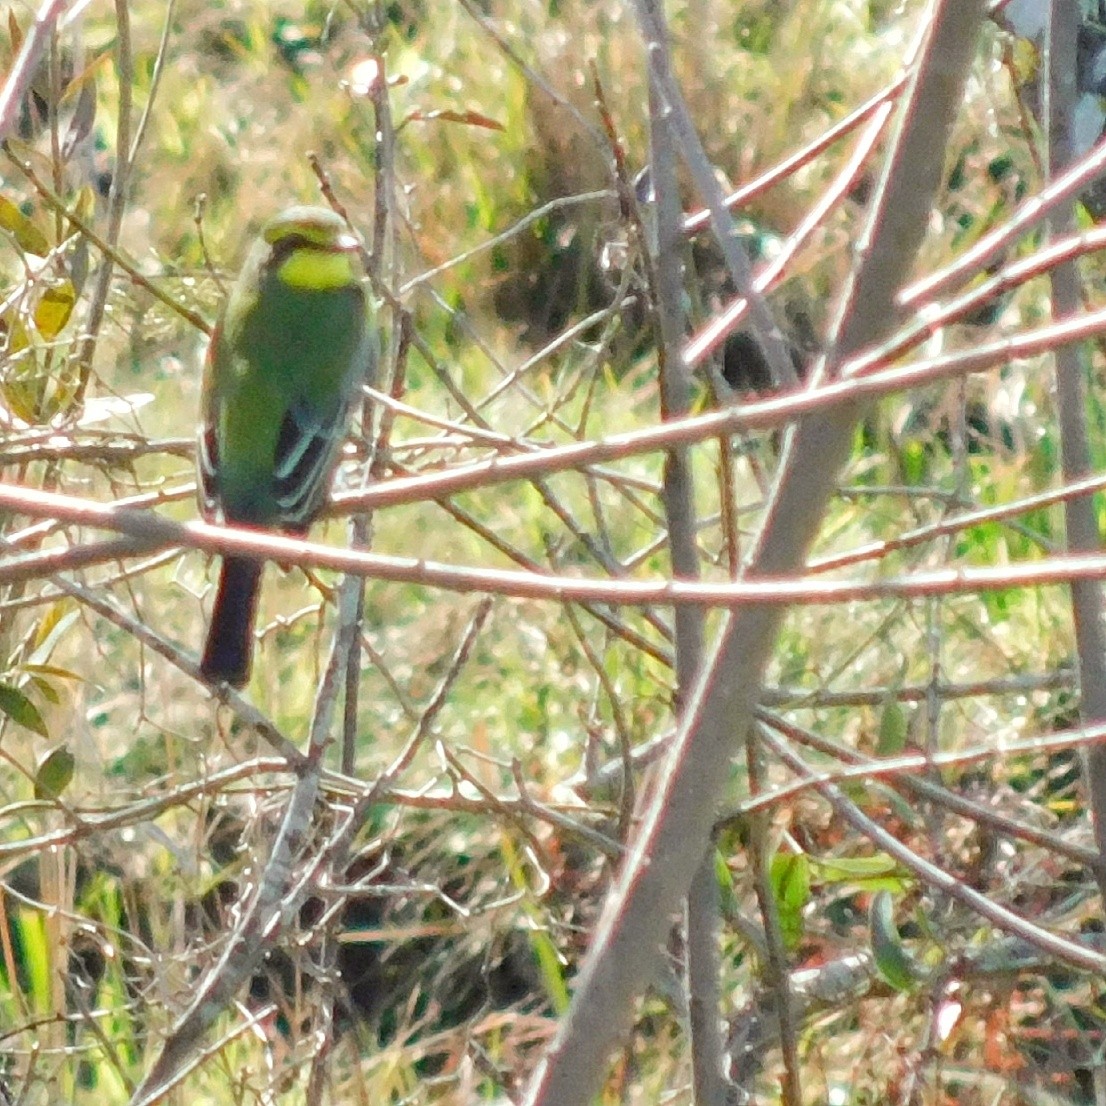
<point>207,446</point>
<point>311,440</point>
<point>307,450</point>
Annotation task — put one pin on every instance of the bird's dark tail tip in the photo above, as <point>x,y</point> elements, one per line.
<point>229,649</point>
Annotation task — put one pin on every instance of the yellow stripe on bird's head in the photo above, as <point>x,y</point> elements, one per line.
<point>310,249</point>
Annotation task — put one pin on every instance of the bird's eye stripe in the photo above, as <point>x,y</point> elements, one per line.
<point>307,236</point>
<point>285,247</point>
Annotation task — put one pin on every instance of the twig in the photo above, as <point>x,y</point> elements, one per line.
<point>936,877</point>
<point>275,899</point>
<point>825,397</point>
<point>919,785</point>
<point>151,531</point>
<point>107,248</point>
<point>775,967</point>
<point>117,200</point>
<point>666,279</point>
<point>26,64</point>
<point>763,327</point>
<point>700,220</point>
<point>920,763</point>
<point>248,714</point>
<point>1080,515</point>
<point>1061,190</point>
<point>716,330</point>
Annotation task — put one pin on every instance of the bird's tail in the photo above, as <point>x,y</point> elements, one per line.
<point>229,647</point>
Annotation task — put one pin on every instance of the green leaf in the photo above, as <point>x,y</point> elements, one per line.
<point>469,118</point>
<point>51,628</point>
<point>840,869</point>
<point>790,877</point>
<point>17,337</point>
<point>545,952</point>
<point>46,690</point>
<point>551,969</point>
<point>39,671</point>
<point>866,873</point>
<point>20,227</point>
<point>30,926</point>
<point>53,309</point>
<point>723,875</point>
<point>895,964</point>
<point>20,709</point>
<point>892,729</point>
<point>55,773</point>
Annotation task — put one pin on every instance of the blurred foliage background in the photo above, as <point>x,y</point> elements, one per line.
<point>470,144</point>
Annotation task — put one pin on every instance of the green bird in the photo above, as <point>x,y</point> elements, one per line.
<point>285,365</point>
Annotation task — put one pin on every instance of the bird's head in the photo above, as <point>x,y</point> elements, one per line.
<point>309,248</point>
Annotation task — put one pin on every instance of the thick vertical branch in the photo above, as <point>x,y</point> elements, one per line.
<point>1071,398</point>
<point>674,834</point>
<point>667,249</point>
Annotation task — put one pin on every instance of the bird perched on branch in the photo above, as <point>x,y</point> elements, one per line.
<point>285,365</point>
